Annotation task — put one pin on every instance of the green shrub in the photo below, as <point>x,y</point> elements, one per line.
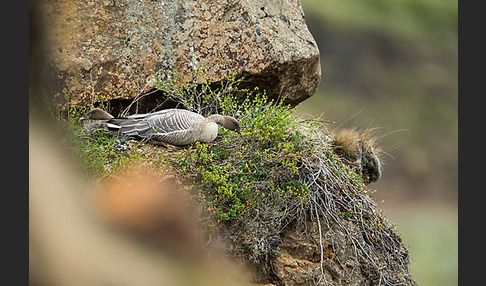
<point>242,174</point>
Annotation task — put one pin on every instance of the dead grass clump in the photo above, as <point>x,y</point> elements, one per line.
<point>340,201</point>
<point>360,149</point>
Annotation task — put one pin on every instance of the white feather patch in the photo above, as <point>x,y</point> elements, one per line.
<point>110,125</point>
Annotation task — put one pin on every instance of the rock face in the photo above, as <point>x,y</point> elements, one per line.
<point>299,261</point>
<point>111,49</point>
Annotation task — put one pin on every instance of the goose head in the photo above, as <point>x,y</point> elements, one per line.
<point>96,114</point>
<point>227,122</point>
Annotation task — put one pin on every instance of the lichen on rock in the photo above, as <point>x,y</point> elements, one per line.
<point>112,49</point>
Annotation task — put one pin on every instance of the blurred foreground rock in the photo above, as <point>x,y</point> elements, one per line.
<point>104,50</point>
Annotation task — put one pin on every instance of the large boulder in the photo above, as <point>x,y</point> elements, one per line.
<point>103,50</point>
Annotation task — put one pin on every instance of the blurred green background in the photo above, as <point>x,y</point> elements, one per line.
<point>392,65</point>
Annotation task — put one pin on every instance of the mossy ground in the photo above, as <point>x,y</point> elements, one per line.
<point>250,187</point>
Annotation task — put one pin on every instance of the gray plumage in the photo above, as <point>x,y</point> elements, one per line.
<point>173,126</point>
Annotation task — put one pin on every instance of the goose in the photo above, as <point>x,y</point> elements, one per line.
<point>173,126</point>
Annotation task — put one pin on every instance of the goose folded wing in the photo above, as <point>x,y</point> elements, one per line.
<point>173,126</point>
<point>164,125</point>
